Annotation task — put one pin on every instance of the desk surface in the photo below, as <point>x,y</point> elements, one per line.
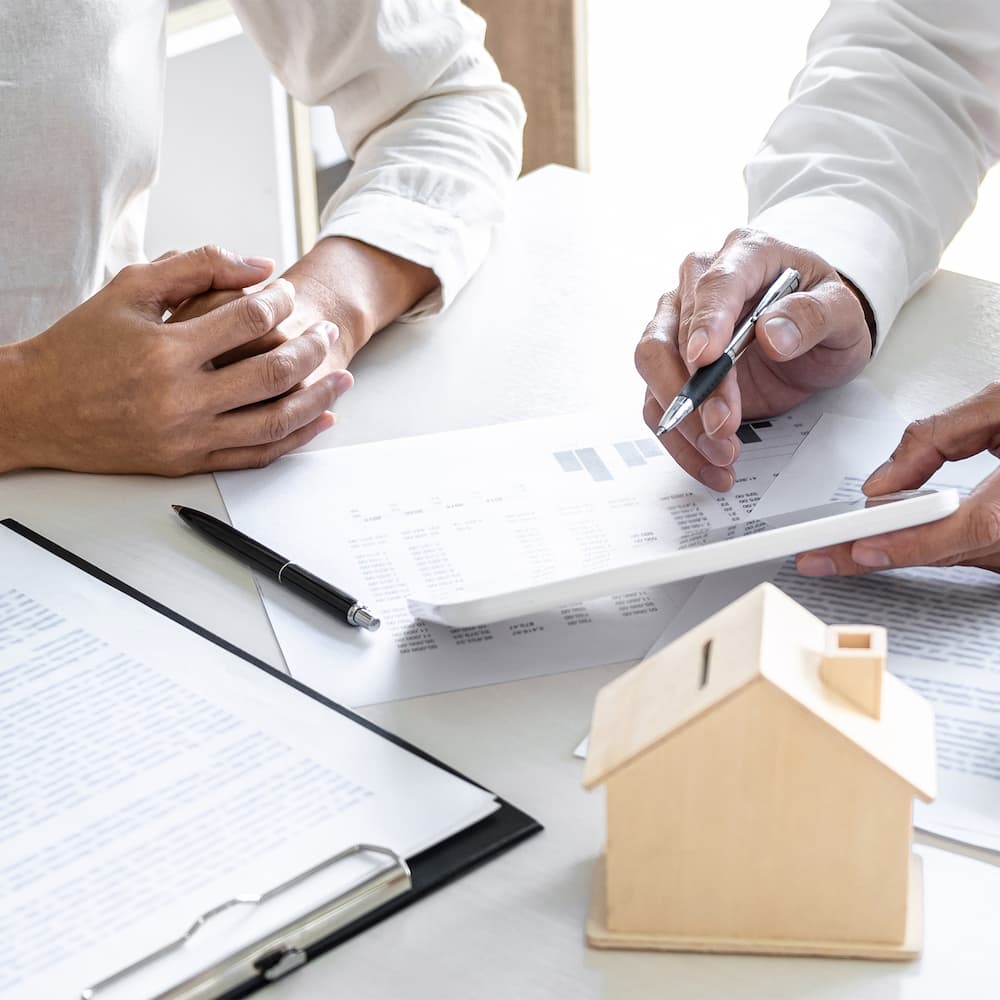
<point>548,326</point>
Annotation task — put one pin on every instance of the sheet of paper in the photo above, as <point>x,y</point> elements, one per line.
<point>147,775</point>
<point>534,500</point>
<point>944,624</point>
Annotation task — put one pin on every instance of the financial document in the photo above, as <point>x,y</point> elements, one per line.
<point>523,502</point>
<point>943,623</point>
<point>147,775</point>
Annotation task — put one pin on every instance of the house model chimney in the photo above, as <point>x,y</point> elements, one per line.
<point>853,663</point>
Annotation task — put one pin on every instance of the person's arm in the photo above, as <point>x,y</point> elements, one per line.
<point>890,127</point>
<point>860,183</point>
<point>435,137</point>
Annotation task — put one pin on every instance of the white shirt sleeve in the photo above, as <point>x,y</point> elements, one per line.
<point>890,128</point>
<point>434,133</point>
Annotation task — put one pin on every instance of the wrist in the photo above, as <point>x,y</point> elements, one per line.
<point>15,426</point>
<point>866,307</point>
<point>357,286</point>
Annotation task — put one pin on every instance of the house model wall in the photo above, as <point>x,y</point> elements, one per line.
<point>760,774</point>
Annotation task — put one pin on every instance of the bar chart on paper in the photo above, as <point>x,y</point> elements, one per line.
<point>536,500</point>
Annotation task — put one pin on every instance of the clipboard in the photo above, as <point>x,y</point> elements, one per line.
<point>395,885</point>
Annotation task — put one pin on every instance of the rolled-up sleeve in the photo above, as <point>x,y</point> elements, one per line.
<point>876,161</point>
<point>434,133</point>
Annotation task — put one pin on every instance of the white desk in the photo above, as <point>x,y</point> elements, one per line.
<point>548,326</point>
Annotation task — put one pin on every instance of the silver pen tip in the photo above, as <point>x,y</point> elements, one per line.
<point>363,618</point>
<point>674,415</point>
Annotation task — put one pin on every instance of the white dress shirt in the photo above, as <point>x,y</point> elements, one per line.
<point>876,161</point>
<point>434,133</point>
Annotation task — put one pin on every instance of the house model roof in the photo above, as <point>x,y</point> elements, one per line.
<point>763,636</point>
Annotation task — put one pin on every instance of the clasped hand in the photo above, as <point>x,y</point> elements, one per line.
<point>111,387</point>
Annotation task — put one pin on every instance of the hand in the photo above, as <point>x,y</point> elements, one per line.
<point>811,340</point>
<point>358,287</point>
<point>969,537</point>
<point>111,388</point>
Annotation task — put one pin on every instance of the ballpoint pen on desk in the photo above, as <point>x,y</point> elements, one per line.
<point>260,557</point>
<point>704,381</point>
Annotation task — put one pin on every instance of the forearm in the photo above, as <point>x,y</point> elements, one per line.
<point>357,286</point>
<point>876,160</point>
<point>433,132</point>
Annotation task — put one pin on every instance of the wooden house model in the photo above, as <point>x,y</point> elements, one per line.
<point>759,775</point>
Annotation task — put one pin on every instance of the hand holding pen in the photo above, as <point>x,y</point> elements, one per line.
<point>812,338</point>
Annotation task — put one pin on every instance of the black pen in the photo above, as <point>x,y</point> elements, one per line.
<point>260,557</point>
<point>702,383</point>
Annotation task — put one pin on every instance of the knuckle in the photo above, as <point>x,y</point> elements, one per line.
<point>693,264</point>
<point>278,424</point>
<point>812,312</point>
<point>920,431</point>
<point>643,351</point>
<point>257,314</point>
<point>983,525</point>
<point>260,458</point>
<point>648,352</point>
<point>667,302</point>
<point>212,252</point>
<point>129,274</point>
<point>747,236</point>
<point>279,372</point>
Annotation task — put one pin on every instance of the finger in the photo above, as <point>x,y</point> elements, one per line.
<point>959,432</point>
<point>175,277</point>
<point>257,457</point>
<point>828,313</point>
<point>692,268</point>
<point>269,375</point>
<point>969,536</point>
<point>241,321</point>
<point>689,458</point>
<point>742,270</point>
<point>713,427</point>
<point>269,423</point>
<point>720,295</point>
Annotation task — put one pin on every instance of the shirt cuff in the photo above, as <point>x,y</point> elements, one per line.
<point>426,235</point>
<point>853,240</point>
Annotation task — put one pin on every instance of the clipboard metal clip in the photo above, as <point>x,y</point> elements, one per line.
<point>285,949</point>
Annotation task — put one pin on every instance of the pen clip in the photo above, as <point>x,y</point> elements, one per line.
<point>786,283</point>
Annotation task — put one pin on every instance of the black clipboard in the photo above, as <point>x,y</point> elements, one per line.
<point>429,870</point>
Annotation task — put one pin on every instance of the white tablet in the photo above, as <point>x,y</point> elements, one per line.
<point>702,552</point>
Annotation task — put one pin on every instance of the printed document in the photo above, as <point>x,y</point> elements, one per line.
<point>533,501</point>
<point>147,775</point>
<point>943,623</point>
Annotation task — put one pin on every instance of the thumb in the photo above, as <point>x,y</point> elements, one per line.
<point>177,276</point>
<point>963,430</point>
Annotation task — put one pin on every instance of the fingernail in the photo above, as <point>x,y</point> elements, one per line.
<point>816,566</point>
<point>870,558</point>
<point>784,335</point>
<point>697,343</point>
<point>714,414</point>
<point>259,263</point>
<point>286,286</point>
<point>344,382</point>
<point>720,480</point>
<point>879,473</point>
<point>717,452</point>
